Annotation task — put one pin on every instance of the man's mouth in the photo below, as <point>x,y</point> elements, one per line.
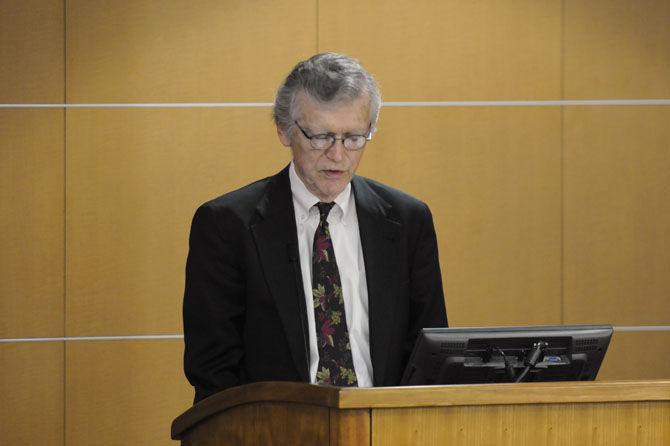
<point>332,173</point>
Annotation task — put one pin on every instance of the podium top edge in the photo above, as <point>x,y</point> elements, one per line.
<point>422,396</point>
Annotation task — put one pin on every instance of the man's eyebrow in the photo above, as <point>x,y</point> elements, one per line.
<point>349,133</point>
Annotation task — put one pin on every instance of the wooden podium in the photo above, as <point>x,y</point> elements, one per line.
<point>563,413</point>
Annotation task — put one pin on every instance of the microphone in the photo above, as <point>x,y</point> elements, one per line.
<point>292,252</point>
<point>294,259</point>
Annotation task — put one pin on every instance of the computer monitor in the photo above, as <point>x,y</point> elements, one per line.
<point>507,354</point>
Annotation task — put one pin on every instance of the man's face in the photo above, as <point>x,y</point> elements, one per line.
<point>326,172</point>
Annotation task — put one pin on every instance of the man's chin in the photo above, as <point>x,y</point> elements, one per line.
<point>330,193</point>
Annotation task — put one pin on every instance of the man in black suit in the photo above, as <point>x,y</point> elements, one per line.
<point>255,306</point>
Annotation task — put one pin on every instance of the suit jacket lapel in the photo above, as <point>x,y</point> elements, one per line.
<point>380,236</point>
<point>275,236</point>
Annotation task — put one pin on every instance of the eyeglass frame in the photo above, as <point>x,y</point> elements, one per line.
<point>332,137</point>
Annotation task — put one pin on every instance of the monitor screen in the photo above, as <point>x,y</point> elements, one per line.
<point>507,354</point>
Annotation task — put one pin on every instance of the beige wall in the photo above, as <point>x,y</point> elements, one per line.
<point>545,214</point>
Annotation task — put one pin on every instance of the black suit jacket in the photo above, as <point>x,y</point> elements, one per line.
<point>244,306</point>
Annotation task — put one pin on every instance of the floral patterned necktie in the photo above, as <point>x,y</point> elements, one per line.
<point>336,365</point>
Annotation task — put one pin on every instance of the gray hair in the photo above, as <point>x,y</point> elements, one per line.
<point>326,77</point>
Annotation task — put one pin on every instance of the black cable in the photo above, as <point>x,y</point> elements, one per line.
<point>532,358</point>
<point>509,367</point>
<point>522,375</point>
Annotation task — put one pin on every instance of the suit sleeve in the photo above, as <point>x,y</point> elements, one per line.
<point>427,308</point>
<point>214,304</point>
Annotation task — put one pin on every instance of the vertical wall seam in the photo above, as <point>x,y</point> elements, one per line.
<point>64,222</point>
<point>562,166</point>
<point>318,43</point>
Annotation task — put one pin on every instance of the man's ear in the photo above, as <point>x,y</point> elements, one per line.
<point>284,136</point>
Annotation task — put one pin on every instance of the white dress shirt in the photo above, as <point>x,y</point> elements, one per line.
<point>343,225</point>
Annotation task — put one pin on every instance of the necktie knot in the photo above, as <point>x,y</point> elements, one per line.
<point>324,209</point>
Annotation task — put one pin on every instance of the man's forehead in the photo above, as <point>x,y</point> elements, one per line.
<point>312,109</point>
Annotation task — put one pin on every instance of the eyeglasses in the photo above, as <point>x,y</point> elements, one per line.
<point>325,141</point>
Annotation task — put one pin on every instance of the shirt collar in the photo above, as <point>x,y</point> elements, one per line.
<point>304,200</point>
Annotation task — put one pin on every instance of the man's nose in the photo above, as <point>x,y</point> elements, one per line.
<point>336,151</point>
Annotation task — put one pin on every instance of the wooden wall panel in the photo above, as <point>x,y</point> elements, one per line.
<point>637,355</point>
<point>492,178</point>
<point>617,215</point>
<point>31,388</point>
<point>175,50</point>
<point>617,49</point>
<point>31,218</point>
<point>135,178</point>
<point>31,51</point>
<point>124,392</point>
<point>450,50</point>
